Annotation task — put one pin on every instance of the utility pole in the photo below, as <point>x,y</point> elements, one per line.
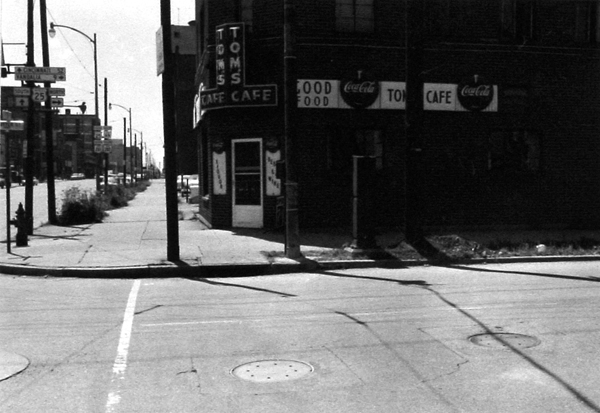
<point>292,233</point>
<point>30,125</point>
<point>48,121</point>
<point>124,151</point>
<point>170,134</point>
<point>106,124</point>
<point>413,219</point>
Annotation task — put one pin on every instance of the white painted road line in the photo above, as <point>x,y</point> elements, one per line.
<point>120,365</point>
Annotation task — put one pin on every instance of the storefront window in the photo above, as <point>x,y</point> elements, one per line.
<point>354,16</point>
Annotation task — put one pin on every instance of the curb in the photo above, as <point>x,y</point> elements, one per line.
<point>182,269</point>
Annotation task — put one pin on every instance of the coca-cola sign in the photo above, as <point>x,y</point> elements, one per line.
<point>475,94</point>
<point>359,93</point>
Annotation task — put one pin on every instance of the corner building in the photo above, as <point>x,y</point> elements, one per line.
<point>507,109</point>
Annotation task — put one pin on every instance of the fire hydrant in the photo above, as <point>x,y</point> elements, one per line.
<point>21,223</point>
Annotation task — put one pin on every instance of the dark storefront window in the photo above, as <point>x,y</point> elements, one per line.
<point>514,151</point>
<point>354,16</point>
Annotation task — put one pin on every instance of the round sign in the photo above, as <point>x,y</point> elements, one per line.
<point>359,93</point>
<point>475,94</point>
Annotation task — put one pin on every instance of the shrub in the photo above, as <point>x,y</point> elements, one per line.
<point>88,207</point>
<point>81,207</point>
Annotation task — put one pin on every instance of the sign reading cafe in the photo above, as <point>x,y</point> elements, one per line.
<point>231,89</point>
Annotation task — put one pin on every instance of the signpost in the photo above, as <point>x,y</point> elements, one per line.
<point>40,74</point>
<point>57,102</point>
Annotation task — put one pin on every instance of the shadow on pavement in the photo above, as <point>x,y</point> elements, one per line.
<point>247,287</point>
<point>420,283</point>
<point>536,274</point>
<point>425,286</point>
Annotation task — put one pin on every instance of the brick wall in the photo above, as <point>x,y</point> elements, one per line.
<point>550,89</point>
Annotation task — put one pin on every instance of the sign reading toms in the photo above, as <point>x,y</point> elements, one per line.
<point>230,61</point>
<point>475,94</point>
<point>359,93</point>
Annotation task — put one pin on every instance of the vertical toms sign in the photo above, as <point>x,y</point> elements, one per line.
<point>230,61</point>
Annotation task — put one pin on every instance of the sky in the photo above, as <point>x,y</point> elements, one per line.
<point>126,46</point>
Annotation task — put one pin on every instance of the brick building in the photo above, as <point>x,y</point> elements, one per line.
<point>509,91</point>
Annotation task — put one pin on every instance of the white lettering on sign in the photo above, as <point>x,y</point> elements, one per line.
<point>325,94</point>
<point>219,173</point>
<point>273,184</point>
<point>439,96</point>
<point>393,95</point>
<point>322,94</point>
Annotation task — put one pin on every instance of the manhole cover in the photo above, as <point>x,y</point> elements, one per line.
<point>269,371</point>
<point>504,340</point>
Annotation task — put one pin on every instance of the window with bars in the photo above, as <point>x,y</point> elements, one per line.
<point>355,16</point>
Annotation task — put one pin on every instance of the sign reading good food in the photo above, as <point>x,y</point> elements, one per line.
<point>231,89</point>
<point>475,94</point>
<point>359,93</point>
<point>326,94</point>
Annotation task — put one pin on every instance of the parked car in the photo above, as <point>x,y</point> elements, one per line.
<point>77,176</point>
<point>23,181</point>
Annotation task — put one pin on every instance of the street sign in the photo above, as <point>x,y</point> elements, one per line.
<point>22,91</point>
<point>103,132</point>
<point>107,147</point>
<point>11,125</point>
<point>41,70</point>
<point>40,74</point>
<point>56,91</point>
<point>57,102</point>
<point>38,94</point>
<point>22,101</point>
<point>98,148</point>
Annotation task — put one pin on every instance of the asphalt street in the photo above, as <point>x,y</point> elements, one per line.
<point>492,338</point>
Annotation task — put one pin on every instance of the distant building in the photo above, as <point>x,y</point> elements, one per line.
<point>510,96</point>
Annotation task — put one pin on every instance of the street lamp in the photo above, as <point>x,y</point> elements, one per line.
<point>52,33</point>
<point>110,105</point>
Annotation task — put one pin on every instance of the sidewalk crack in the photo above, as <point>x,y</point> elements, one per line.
<point>84,254</point>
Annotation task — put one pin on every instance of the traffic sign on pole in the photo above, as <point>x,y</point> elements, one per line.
<point>40,74</point>
<point>22,102</point>
<point>38,94</point>
<point>56,91</point>
<point>22,91</point>
<point>57,102</point>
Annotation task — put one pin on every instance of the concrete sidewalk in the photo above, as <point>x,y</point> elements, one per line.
<point>132,242</point>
